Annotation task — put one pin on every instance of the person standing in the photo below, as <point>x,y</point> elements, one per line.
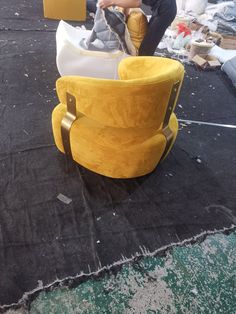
<point>163,14</point>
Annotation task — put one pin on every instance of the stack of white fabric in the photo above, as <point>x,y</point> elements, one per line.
<point>197,7</point>
<point>74,59</point>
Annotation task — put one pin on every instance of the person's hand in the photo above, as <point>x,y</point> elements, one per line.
<point>105,3</point>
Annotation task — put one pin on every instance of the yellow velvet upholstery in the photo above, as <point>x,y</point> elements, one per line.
<point>137,24</point>
<point>118,129</point>
<point>74,10</point>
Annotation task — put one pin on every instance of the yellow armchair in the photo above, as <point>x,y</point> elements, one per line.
<point>120,128</point>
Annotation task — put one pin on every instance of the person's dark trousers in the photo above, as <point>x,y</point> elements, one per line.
<point>91,6</point>
<point>161,18</point>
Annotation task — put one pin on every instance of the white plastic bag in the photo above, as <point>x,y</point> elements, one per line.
<point>223,55</point>
<point>73,59</point>
<point>180,5</point>
<point>229,67</point>
<point>196,6</point>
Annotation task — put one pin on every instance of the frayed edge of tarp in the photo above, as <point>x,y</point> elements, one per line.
<point>69,281</point>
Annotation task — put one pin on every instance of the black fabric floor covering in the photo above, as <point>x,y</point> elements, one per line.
<point>41,238</point>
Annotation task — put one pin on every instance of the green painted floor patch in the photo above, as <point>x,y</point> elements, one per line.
<point>199,278</point>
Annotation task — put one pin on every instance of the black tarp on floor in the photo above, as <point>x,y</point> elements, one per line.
<point>41,238</point>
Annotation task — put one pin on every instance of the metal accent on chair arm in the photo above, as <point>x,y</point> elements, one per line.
<point>67,122</point>
<point>165,128</point>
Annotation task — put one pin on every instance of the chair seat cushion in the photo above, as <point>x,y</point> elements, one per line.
<point>114,152</point>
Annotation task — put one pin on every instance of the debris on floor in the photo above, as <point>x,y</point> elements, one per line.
<point>64,199</point>
<point>199,36</point>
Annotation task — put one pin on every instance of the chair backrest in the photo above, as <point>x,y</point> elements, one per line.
<point>139,99</point>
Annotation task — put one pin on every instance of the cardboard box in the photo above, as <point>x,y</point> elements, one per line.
<point>228,42</point>
<point>206,61</point>
<point>73,10</point>
<point>199,61</point>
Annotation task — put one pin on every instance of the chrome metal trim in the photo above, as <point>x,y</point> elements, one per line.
<point>67,122</point>
<point>171,103</point>
<point>165,128</point>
